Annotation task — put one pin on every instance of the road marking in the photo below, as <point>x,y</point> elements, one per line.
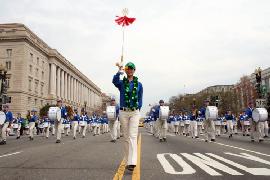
<point>210,164</point>
<point>168,168</point>
<point>5,155</point>
<point>137,171</point>
<point>253,171</point>
<point>204,162</point>
<point>120,172</point>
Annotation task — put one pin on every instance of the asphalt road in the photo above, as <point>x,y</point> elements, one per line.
<point>97,158</point>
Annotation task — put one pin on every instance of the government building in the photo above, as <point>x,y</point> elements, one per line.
<point>38,75</point>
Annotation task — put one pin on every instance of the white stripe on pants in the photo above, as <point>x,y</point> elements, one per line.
<point>130,122</point>
<point>113,128</point>
<point>3,129</point>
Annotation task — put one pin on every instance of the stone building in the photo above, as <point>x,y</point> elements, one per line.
<point>216,89</point>
<point>38,74</point>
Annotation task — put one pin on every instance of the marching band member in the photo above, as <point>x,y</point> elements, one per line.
<point>46,126</point>
<point>223,125</point>
<point>193,122</point>
<point>113,123</point>
<point>32,122</point>
<point>186,124</point>
<point>235,124</point>
<point>218,125</point>
<point>83,122</point>
<point>94,125</point>
<point>3,128</point>
<point>162,124</point>
<point>241,119</point>
<point>208,124</point>
<point>58,124</point>
<point>177,123</point>
<point>52,127</point>
<point>229,119</point>
<point>254,126</point>
<point>182,124</point>
<point>172,120</point>
<point>266,129</point>
<point>200,123</point>
<point>19,121</point>
<point>75,122</point>
<point>131,92</point>
<point>155,112</point>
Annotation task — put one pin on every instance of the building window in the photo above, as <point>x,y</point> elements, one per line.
<point>35,102</point>
<point>30,85</point>
<point>36,72</point>
<point>41,102</point>
<point>29,100</point>
<point>42,75</point>
<point>9,53</point>
<point>36,87</point>
<point>38,61</point>
<point>8,65</point>
<point>31,69</point>
<point>31,57</point>
<point>42,64</point>
<point>7,82</point>
<point>41,89</point>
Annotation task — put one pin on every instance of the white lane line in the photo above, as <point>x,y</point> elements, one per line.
<point>5,155</point>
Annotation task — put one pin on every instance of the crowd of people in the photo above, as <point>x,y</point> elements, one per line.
<point>33,125</point>
<point>194,124</point>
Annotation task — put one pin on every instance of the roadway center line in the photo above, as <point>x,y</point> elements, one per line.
<point>5,155</point>
<point>137,171</point>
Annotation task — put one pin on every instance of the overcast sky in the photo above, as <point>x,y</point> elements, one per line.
<point>178,46</point>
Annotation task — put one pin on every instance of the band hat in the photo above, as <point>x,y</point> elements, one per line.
<point>130,65</point>
<point>161,101</point>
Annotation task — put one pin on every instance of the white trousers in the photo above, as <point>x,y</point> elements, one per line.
<point>58,127</point>
<point>209,127</point>
<point>47,131</point>
<point>75,127</point>
<point>218,130</point>
<point>113,124</point>
<point>194,128</point>
<point>119,133</point>
<point>162,128</point>
<point>259,128</point>
<point>3,130</point>
<point>18,130</point>
<point>266,129</point>
<point>83,128</point>
<point>130,122</point>
<point>31,129</point>
<point>230,126</point>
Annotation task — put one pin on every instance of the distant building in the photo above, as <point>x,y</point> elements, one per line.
<point>38,74</point>
<point>217,89</point>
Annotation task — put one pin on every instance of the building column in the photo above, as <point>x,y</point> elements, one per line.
<point>53,79</point>
<point>62,84</point>
<point>58,82</point>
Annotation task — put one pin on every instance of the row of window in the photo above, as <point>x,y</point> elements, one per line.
<point>37,60</point>
<point>30,82</point>
<point>35,102</point>
<point>36,72</point>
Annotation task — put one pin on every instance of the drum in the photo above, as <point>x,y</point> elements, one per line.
<point>2,117</point>
<point>176,123</point>
<point>259,114</point>
<point>187,121</point>
<point>111,112</point>
<point>82,123</point>
<point>66,126</point>
<point>164,112</point>
<point>246,123</point>
<point>211,112</point>
<point>199,123</point>
<point>15,126</point>
<point>218,123</point>
<point>45,124</point>
<point>54,114</point>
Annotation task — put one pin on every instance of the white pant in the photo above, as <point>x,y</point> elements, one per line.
<point>209,127</point>
<point>18,130</point>
<point>58,127</point>
<point>218,130</point>
<point>266,128</point>
<point>259,128</point>
<point>47,131</point>
<point>130,122</point>
<point>75,127</point>
<point>194,129</point>
<point>162,128</point>
<point>31,129</point>
<point>187,128</point>
<point>113,124</point>
<point>83,128</point>
<point>3,129</point>
<point>230,126</point>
